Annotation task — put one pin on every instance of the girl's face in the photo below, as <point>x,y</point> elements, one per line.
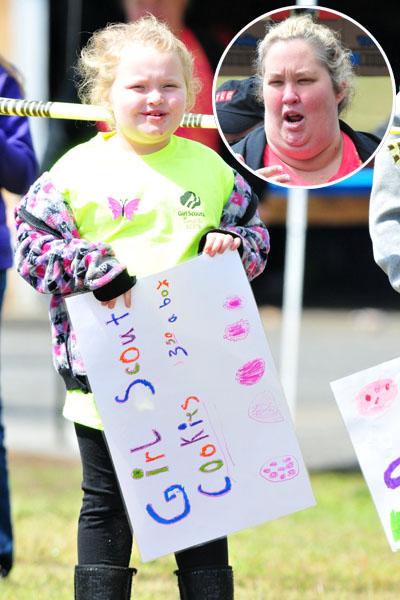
<point>301,106</point>
<point>148,97</point>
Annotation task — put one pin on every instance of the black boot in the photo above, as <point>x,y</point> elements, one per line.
<point>103,582</point>
<point>6,562</point>
<point>206,583</point>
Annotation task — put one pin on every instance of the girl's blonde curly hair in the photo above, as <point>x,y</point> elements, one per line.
<point>99,59</point>
<point>326,43</point>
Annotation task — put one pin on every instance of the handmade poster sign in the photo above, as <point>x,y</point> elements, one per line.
<point>194,415</point>
<point>370,405</point>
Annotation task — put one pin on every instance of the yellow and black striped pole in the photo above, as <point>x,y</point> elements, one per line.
<point>83,112</point>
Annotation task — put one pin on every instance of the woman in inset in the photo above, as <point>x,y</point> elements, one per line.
<point>305,79</point>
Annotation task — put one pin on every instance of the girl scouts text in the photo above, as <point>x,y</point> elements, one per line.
<point>194,433</point>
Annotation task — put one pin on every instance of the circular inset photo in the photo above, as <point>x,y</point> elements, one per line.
<point>303,97</point>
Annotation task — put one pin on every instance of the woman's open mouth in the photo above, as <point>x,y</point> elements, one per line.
<point>293,119</point>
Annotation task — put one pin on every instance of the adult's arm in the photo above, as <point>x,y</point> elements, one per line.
<point>18,165</point>
<point>384,216</point>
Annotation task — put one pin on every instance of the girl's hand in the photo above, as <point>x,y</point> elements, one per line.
<point>274,173</point>
<point>127,300</point>
<point>218,243</point>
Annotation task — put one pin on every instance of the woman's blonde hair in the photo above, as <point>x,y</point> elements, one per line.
<point>99,59</point>
<point>326,43</point>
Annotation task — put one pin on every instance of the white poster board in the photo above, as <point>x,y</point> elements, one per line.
<point>194,415</point>
<point>370,405</point>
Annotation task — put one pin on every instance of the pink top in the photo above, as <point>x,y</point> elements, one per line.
<point>349,163</point>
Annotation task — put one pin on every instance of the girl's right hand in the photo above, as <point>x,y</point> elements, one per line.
<point>274,173</point>
<point>127,300</point>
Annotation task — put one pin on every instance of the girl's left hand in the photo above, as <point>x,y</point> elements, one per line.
<point>127,300</point>
<point>218,243</point>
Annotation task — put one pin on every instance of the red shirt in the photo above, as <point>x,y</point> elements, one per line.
<point>349,163</point>
<point>203,71</point>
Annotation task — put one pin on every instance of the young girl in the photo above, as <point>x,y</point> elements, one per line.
<point>129,203</point>
<point>18,168</point>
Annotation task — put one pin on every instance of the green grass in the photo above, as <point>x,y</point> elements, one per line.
<point>336,551</point>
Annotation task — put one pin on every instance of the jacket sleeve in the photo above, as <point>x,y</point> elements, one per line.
<point>50,254</point>
<point>384,216</point>
<point>241,219</point>
<point>18,165</point>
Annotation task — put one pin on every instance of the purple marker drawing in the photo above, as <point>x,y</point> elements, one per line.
<point>251,372</point>
<point>157,439</point>
<point>376,397</point>
<point>233,302</point>
<point>281,469</point>
<point>237,331</point>
<point>392,482</point>
<point>264,409</point>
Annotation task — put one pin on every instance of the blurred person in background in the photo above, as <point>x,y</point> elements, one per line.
<point>238,108</point>
<point>65,46</point>
<point>172,12</point>
<point>18,169</point>
<point>384,214</point>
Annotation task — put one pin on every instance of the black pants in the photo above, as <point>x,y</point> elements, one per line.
<point>104,534</point>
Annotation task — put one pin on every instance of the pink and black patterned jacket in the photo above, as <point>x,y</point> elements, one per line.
<point>53,258</point>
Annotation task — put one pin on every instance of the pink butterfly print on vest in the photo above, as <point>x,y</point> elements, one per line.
<point>123,208</point>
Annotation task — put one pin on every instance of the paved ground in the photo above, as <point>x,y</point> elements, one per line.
<point>333,344</point>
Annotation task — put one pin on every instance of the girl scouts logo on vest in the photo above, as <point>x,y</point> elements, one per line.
<point>123,208</point>
<point>190,200</point>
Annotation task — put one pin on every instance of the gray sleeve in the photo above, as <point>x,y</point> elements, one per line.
<point>384,213</point>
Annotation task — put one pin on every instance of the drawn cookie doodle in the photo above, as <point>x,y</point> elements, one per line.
<point>376,397</point>
<point>233,302</point>
<point>264,409</point>
<point>278,470</point>
<point>237,331</point>
<point>251,372</point>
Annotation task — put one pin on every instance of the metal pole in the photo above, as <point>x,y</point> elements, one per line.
<point>296,227</point>
<point>30,19</point>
